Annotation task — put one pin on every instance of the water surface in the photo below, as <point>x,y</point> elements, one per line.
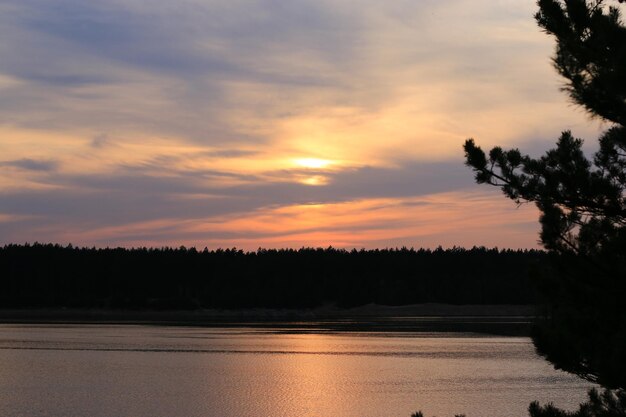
<point>99,370</point>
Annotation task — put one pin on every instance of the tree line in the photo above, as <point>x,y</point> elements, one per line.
<point>55,276</point>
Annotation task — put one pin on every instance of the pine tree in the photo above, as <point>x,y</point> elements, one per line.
<point>582,201</point>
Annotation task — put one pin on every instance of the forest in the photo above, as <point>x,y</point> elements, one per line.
<point>55,276</point>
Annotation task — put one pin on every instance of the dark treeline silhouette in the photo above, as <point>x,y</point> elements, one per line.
<point>53,276</point>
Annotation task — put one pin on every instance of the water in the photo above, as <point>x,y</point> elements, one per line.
<point>80,370</point>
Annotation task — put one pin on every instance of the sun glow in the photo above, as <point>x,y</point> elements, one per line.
<point>314,163</point>
<point>315,180</point>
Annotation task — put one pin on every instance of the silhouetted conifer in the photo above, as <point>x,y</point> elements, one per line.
<point>582,202</point>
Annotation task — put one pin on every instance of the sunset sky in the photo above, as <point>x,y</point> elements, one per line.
<point>270,123</point>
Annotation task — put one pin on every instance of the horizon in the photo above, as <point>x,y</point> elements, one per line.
<point>198,249</point>
<point>317,124</point>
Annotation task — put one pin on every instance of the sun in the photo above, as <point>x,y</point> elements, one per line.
<point>314,163</point>
<point>315,180</point>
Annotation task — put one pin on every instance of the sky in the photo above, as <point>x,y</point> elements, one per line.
<point>270,123</point>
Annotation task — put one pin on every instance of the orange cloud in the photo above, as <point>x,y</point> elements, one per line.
<point>447,219</point>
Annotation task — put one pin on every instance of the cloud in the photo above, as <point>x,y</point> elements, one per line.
<point>230,153</point>
<point>232,71</point>
<point>100,140</point>
<point>131,112</point>
<point>32,164</point>
<point>121,198</point>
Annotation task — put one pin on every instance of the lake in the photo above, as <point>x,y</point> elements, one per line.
<point>142,370</point>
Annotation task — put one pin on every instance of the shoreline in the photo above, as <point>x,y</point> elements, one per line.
<point>514,320</point>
